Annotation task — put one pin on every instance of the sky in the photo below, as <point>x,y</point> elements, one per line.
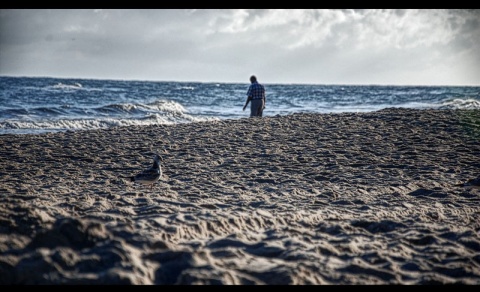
<point>293,46</point>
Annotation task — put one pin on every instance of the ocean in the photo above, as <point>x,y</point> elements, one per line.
<point>33,105</point>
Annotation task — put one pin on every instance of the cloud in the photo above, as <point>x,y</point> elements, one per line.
<point>292,46</point>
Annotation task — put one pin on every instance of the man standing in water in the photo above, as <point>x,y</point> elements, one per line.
<point>255,94</point>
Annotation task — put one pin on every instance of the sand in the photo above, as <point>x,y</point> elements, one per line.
<point>323,199</point>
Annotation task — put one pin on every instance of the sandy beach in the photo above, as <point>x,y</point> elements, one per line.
<point>323,199</point>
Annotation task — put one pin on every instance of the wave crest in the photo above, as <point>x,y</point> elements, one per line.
<point>60,125</point>
<point>75,85</point>
<point>461,104</point>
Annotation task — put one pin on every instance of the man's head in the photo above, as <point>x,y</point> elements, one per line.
<point>253,78</point>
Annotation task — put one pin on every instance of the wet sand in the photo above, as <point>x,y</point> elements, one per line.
<point>335,199</point>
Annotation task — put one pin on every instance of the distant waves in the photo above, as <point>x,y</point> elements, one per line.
<point>33,105</point>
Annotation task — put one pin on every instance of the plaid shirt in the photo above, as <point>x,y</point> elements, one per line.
<point>256,91</point>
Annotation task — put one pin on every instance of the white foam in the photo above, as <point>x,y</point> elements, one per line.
<point>17,126</point>
<point>167,106</point>
<point>461,104</point>
<point>75,85</point>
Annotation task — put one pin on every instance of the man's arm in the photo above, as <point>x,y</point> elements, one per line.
<point>246,103</point>
<point>264,98</point>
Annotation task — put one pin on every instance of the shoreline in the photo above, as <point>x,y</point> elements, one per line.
<point>307,198</point>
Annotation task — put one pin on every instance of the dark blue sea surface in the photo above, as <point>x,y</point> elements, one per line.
<point>30,105</point>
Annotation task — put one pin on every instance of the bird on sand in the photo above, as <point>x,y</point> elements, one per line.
<point>473,183</point>
<point>150,175</point>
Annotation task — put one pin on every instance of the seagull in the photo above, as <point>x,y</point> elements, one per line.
<point>473,183</point>
<point>151,175</point>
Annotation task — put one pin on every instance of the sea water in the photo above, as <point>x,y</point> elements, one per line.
<point>31,105</point>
